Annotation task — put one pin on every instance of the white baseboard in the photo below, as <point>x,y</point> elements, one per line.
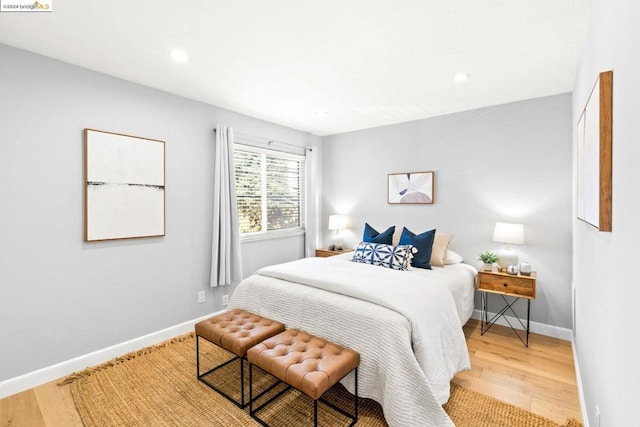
<point>534,327</point>
<point>583,406</point>
<point>50,373</point>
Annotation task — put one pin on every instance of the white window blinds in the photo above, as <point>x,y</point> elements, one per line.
<point>269,191</point>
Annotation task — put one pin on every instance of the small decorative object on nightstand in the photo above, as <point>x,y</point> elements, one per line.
<point>506,285</point>
<point>488,258</point>
<point>327,252</point>
<point>525,268</point>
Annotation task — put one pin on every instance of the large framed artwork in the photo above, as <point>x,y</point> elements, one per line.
<point>410,188</point>
<point>124,186</point>
<point>594,162</point>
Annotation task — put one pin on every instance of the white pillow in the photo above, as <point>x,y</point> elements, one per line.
<point>452,257</point>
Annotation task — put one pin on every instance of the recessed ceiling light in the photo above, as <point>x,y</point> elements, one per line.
<point>179,56</point>
<point>461,77</point>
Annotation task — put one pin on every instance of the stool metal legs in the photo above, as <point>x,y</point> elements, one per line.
<point>201,377</point>
<point>253,411</point>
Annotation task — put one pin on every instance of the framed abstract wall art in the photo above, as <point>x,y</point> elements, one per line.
<point>124,186</point>
<point>410,188</point>
<point>594,162</point>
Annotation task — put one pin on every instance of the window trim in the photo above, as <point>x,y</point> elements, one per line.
<point>272,234</point>
<point>287,232</point>
<point>260,150</point>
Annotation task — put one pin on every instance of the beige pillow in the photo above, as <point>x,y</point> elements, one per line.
<point>395,240</point>
<point>439,250</point>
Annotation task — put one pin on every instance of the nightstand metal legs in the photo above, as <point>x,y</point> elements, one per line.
<point>488,323</point>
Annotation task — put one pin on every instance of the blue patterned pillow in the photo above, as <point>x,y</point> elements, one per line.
<point>371,235</point>
<point>394,257</point>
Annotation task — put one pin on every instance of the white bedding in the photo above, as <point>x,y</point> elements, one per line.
<point>458,278</point>
<point>405,324</point>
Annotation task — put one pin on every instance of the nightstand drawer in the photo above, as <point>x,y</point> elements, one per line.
<point>521,286</point>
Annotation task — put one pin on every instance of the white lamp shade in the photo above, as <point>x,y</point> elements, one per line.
<point>508,233</point>
<point>337,222</point>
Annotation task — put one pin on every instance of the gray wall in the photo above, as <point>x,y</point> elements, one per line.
<point>61,298</point>
<point>606,281</point>
<point>509,163</point>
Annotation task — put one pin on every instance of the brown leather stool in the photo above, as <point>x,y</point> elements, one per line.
<point>308,363</point>
<point>235,331</point>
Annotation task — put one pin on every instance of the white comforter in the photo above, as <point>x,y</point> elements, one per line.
<point>410,339</point>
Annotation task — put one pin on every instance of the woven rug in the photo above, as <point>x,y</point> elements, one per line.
<point>157,386</point>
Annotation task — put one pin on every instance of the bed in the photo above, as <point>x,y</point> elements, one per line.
<point>405,324</point>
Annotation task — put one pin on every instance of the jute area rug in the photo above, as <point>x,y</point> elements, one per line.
<point>157,386</point>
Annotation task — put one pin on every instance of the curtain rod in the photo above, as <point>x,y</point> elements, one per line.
<point>270,141</point>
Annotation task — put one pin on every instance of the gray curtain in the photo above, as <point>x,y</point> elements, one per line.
<point>226,260</point>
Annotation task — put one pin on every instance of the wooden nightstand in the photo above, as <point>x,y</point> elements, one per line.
<point>325,252</point>
<point>506,285</point>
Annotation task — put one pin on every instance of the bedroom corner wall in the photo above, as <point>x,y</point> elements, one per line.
<point>509,163</point>
<point>606,282</point>
<point>61,298</point>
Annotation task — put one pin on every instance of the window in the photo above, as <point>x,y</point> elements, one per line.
<point>269,191</point>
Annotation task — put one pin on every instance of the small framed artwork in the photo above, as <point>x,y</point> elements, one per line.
<point>124,186</point>
<point>410,188</point>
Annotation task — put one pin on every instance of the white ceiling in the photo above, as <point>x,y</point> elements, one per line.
<point>364,63</point>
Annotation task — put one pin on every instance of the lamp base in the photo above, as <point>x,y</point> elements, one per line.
<point>506,257</point>
<point>337,242</point>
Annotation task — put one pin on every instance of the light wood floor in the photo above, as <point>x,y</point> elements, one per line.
<point>540,378</point>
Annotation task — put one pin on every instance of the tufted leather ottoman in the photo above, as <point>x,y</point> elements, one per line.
<point>308,363</point>
<point>235,331</point>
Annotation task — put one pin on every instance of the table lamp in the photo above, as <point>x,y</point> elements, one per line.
<point>508,233</point>
<point>337,223</point>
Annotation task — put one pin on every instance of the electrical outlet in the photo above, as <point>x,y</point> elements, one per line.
<point>201,297</point>
<point>225,299</point>
<point>597,416</point>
